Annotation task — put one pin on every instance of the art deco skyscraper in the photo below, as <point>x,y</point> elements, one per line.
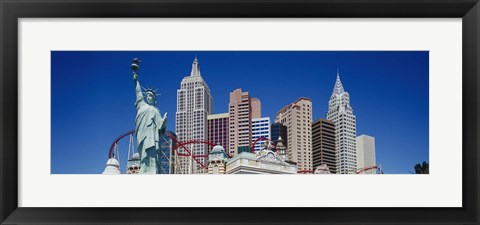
<point>194,103</point>
<point>341,114</point>
<point>297,117</point>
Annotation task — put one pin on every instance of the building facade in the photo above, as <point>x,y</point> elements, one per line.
<point>256,108</point>
<point>365,151</point>
<point>279,130</point>
<point>260,129</point>
<point>323,145</point>
<point>218,129</point>
<point>217,159</point>
<point>341,113</point>
<point>263,162</point>
<point>133,164</point>
<point>240,121</point>
<point>297,117</point>
<point>281,148</point>
<point>194,104</point>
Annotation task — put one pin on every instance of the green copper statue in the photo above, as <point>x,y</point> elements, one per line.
<point>149,125</point>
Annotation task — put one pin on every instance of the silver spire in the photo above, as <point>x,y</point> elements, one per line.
<point>338,89</point>
<point>195,68</point>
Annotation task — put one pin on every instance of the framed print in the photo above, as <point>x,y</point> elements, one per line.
<point>321,112</point>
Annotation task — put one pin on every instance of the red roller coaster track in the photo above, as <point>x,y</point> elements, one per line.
<point>369,168</point>
<point>252,150</point>
<point>112,147</point>
<point>178,144</point>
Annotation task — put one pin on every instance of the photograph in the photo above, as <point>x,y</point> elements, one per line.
<point>240,112</point>
<point>315,112</point>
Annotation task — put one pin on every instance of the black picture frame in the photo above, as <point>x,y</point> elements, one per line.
<point>12,10</point>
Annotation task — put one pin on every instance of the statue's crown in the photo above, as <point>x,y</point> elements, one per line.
<point>153,92</point>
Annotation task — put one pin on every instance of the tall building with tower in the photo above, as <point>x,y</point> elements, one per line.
<point>218,129</point>
<point>297,117</point>
<point>341,113</point>
<point>260,129</point>
<point>323,145</point>
<point>365,151</point>
<point>194,104</point>
<point>241,113</point>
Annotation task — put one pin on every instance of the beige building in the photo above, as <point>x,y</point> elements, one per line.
<point>242,108</point>
<point>323,144</point>
<point>297,117</point>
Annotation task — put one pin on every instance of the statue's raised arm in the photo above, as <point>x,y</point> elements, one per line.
<point>138,88</point>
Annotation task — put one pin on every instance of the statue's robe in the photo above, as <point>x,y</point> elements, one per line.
<point>149,125</point>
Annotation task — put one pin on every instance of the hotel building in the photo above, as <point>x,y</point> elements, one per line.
<point>365,151</point>
<point>260,128</point>
<point>297,117</point>
<point>241,111</point>
<point>218,129</point>
<point>323,145</point>
<point>194,104</point>
<point>256,108</point>
<point>341,113</point>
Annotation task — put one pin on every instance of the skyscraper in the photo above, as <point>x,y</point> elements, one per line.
<point>194,103</point>
<point>297,117</point>
<point>256,108</point>
<point>365,151</point>
<point>323,144</point>
<point>341,113</point>
<point>260,128</point>
<point>218,129</point>
<point>240,123</point>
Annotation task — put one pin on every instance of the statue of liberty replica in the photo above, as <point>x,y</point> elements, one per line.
<point>149,125</point>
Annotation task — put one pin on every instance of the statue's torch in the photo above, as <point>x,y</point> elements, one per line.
<point>135,65</point>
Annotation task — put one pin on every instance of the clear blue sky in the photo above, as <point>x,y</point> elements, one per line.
<point>93,96</point>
